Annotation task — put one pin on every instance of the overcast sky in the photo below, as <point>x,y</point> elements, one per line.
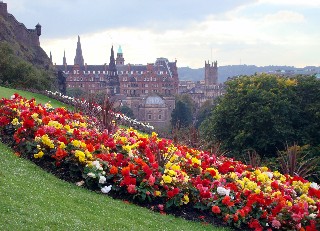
<point>257,32</point>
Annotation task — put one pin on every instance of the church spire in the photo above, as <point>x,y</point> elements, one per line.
<point>64,58</point>
<point>79,58</point>
<point>112,64</point>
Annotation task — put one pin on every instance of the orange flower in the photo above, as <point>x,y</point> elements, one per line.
<point>113,170</point>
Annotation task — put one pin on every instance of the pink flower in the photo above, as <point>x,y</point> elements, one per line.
<point>276,224</point>
<point>132,189</point>
<point>151,180</point>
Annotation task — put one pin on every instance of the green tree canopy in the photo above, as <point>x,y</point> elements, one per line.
<point>181,116</point>
<point>266,112</point>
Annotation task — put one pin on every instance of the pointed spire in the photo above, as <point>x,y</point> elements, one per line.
<point>64,58</point>
<point>79,58</point>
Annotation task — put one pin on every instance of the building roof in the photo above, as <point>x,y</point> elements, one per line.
<point>119,50</point>
<point>154,100</point>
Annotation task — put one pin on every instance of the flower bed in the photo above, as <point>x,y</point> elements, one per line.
<point>152,170</point>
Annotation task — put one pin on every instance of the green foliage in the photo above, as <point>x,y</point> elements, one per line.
<point>204,112</point>
<point>126,111</point>
<point>76,92</point>
<point>181,116</point>
<point>18,73</point>
<point>264,112</point>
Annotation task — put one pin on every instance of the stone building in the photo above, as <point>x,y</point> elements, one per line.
<point>206,89</point>
<point>132,85</point>
<point>28,37</point>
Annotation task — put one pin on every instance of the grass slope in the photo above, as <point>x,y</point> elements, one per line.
<point>32,199</point>
<point>7,92</point>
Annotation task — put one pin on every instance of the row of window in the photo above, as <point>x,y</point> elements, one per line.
<point>118,72</point>
<point>150,117</point>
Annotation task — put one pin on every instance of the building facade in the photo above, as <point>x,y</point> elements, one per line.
<point>206,89</point>
<point>131,84</point>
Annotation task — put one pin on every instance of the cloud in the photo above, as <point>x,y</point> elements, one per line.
<point>284,16</point>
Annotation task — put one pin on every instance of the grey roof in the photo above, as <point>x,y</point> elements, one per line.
<point>154,100</point>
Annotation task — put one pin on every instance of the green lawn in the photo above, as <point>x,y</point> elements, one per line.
<point>7,92</point>
<point>32,199</point>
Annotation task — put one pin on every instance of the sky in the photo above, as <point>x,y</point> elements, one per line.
<point>233,32</point>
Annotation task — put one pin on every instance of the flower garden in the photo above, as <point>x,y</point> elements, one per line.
<point>149,170</point>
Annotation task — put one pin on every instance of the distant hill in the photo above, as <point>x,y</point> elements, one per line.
<point>186,73</point>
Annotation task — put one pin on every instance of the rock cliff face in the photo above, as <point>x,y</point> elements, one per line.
<point>24,42</point>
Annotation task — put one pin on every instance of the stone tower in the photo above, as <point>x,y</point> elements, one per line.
<point>113,78</point>
<point>78,59</point>
<point>211,73</point>
<point>120,59</point>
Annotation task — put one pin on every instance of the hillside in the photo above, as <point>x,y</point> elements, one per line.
<point>186,73</point>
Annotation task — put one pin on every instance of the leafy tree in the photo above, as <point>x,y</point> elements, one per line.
<point>265,112</point>
<point>181,116</point>
<point>204,112</point>
<point>76,92</point>
<point>126,111</point>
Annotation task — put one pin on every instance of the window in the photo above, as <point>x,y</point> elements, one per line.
<point>149,116</point>
<point>159,116</point>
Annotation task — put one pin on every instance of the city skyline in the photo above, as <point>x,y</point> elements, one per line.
<point>252,32</point>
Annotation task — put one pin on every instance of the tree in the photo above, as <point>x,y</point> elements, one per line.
<point>264,113</point>
<point>126,111</point>
<point>204,112</point>
<point>181,116</point>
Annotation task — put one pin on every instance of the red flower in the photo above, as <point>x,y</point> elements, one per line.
<point>60,154</point>
<point>215,209</point>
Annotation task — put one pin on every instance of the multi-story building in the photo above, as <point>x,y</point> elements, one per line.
<point>133,85</point>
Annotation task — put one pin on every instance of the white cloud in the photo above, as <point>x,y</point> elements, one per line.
<point>284,16</point>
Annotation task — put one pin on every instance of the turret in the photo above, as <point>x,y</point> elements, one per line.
<point>3,9</point>
<point>120,59</point>
<point>38,29</point>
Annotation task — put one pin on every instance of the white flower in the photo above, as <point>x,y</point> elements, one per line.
<point>222,191</point>
<point>312,215</point>
<point>96,164</point>
<point>314,185</point>
<point>12,97</point>
<point>102,179</point>
<point>269,174</point>
<point>106,189</point>
<point>91,174</point>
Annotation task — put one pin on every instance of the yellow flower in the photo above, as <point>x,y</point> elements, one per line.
<point>185,199</point>
<point>76,143</point>
<point>157,193</point>
<point>46,140</point>
<point>34,116</point>
<point>167,179</point>
<point>80,155</point>
<point>262,177</point>
<point>175,167</point>
<point>62,145</point>
<point>88,154</point>
<point>196,161</point>
<point>15,121</point>
<point>39,154</point>
<point>289,203</point>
